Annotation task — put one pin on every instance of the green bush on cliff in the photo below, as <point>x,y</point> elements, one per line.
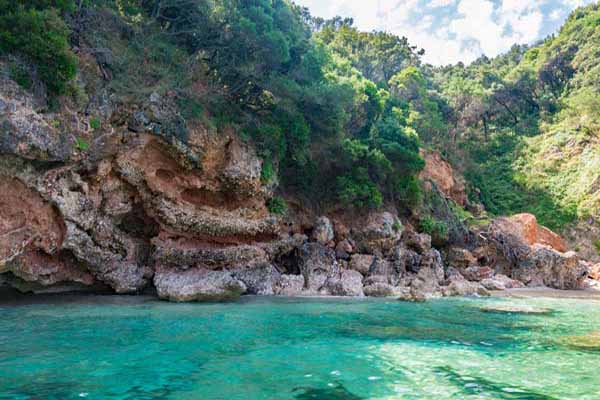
<point>35,31</point>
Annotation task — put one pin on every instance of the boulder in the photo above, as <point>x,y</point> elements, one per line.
<point>431,273</point>
<point>419,242</point>
<point>459,286</point>
<point>347,283</point>
<point>477,274</point>
<point>323,231</point>
<point>361,263</point>
<point>259,280</point>
<point>526,229</point>
<point>461,258</point>
<point>412,295</point>
<point>379,289</point>
<point>197,284</point>
<point>289,285</point>
<point>535,264</point>
<point>316,263</point>
<point>344,249</point>
<point>501,282</point>
<point>544,266</point>
<point>379,234</point>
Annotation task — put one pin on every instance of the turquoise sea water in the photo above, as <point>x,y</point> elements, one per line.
<point>261,348</point>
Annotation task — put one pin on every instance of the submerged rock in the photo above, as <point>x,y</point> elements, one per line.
<point>515,309</point>
<point>589,342</point>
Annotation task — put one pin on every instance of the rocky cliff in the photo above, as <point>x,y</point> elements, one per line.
<point>126,207</point>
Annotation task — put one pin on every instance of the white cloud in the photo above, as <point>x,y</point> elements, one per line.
<point>454,30</point>
<point>440,3</point>
<point>555,15</point>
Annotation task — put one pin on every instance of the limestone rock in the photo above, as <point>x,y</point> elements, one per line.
<point>461,258</point>
<point>361,263</point>
<point>25,132</point>
<point>316,263</point>
<point>323,231</point>
<point>461,287</point>
<point>547,267</point>
<point>259,280</point>
<point>477,274</point>
<point>420,242</point>
<point>197,285</point>
<point>501,282</point>
<point>379,234</point>
<point>526,229</point>
<point>379,289</point>
<point>289,285</point>
<point>344,249</point>
<point>347,283</point>
<point>537,264</point>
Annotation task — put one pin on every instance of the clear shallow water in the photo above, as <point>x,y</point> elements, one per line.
<point>259,348</point>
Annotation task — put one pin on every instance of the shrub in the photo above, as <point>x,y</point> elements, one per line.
<point>95,123</point>
<point>81,144</point>
<point>277,205</point>
<point>20,74</point>
<point>41,37</point>
<point>434,228</point>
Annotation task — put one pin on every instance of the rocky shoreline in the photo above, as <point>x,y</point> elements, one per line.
<point>140,210</point>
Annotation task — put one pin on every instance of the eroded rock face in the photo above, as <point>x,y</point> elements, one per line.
<point>26,221</point>
<point>156,202</point>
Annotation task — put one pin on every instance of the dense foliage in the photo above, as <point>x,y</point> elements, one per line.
<point>35,31</point>
<point>528,124</point>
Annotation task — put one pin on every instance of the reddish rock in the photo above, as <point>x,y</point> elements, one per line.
<point>27,221</point>
<point>595,272</point>
<point>526,227</point>
<point>478,274</point>
<point>461,258</point>
<point>441,173</point>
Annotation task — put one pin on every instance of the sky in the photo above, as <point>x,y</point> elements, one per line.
<point>454,30</point>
